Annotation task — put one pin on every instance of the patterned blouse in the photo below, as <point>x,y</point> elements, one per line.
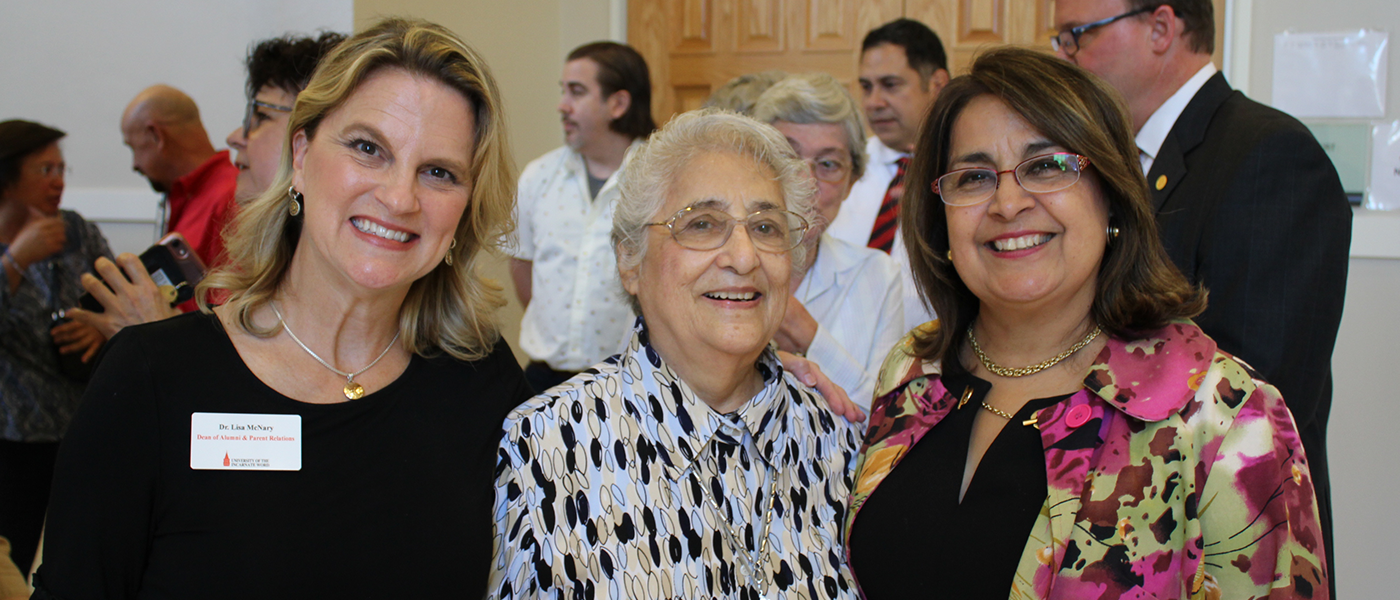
<point>36,399</point>
<point>1174,473</point>
<point>608,484</point>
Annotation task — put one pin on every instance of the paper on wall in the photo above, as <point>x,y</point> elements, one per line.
<point>1339,75</point>
<point>1384,193</point>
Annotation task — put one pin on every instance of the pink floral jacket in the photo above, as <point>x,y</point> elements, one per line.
<point>1175,473</point>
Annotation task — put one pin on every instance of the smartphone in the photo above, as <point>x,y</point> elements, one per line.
<point>172,264</point>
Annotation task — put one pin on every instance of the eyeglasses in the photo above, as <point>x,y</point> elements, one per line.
<point>830,170</point>
<point>1041,175</point>
<point>1067,41</point>
<point>53,170</point>
<point>772,230</point>
<point>252,111</point>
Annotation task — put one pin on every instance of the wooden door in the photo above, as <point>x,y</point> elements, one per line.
<point>695,46</point>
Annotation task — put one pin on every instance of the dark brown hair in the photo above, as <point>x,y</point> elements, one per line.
<point>622,68</point>
<point>18,140</point>
<point>1139,290</point>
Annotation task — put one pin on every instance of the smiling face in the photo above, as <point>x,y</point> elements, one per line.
<point>258,155</point>
<point>34,189</point>
<point>1019,250</point>
<point>824,147</point>
<point>385,182</point>
<point>894,96</point>
<point>729,300</point>
<point>585,113</point>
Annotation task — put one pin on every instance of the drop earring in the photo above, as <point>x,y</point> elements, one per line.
<point>450,247</point>
<point>294,208</point>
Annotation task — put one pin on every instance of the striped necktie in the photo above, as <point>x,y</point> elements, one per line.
<point>882,234</point>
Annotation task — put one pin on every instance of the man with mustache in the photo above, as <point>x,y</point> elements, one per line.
<point>562,261</point>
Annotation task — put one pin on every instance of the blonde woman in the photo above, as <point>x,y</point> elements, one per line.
<point>330,430</point>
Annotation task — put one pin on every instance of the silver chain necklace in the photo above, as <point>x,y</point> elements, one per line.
<point>748,562</point>
<point>353,391</point>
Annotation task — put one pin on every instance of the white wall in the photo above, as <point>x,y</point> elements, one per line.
<point>75,64</point>
<point>1362,445</point>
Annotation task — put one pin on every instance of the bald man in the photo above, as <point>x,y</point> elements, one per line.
<point>170,148</point>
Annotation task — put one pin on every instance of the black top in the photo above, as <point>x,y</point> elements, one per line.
<point>393,498</point>
<point>913,539</point>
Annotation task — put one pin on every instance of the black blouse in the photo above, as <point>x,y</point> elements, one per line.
<point>914,539</point>
<point>393,499</point>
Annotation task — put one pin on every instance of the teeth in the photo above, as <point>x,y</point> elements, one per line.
<point>1021,243</point>
<point>379,230</point>
<point>742,297</point>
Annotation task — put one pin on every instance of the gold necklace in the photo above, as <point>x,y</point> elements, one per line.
<point>1024,371</point>
<point>996,411</point>
<point>353,391</point>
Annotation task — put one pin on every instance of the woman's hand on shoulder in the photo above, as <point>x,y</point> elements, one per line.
<point>811,375</point>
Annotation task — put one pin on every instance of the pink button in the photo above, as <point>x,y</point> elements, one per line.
<point>1078,415</point>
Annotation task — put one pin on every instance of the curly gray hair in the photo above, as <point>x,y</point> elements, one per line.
<point>646,179</point>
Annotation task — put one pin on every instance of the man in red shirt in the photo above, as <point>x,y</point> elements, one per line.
<point>171,149</point>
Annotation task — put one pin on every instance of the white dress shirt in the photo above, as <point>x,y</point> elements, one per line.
<point>857,218</point>
<point>1154,131</point>
<point>857,298</point>
<point>609,483</point>
<point>578,314</point>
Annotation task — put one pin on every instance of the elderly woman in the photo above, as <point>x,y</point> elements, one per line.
<point>691,465</point>
<point>330,431</point>
<point>1064,421</point>
<point>43,250</point>
<point>847,310</point>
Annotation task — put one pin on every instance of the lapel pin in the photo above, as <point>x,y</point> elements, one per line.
<point>1161,182</point>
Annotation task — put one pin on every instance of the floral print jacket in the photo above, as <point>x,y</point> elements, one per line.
<point>1175,473</point>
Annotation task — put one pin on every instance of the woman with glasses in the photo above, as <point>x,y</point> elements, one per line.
<point>847,307</point>
<point>691,465</point>
<point>1064,430</point>
<point>43,356</point>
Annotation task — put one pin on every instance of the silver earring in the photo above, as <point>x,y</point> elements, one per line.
<point>448,259</point>
<point>295,207</point>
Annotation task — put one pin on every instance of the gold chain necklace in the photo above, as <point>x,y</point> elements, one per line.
<point>1024,371</point>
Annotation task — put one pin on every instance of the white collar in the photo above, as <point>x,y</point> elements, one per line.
<point>1155,130</point>
<point>880,154</point>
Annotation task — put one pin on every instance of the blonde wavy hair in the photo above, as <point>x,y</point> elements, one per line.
<point>452,308</point>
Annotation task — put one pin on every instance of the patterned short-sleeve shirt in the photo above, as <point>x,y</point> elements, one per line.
<point>607,486</point>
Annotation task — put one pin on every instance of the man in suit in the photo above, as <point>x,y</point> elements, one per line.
<point>1248,204</point>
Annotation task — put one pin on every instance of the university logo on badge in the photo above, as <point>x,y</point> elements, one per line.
<point>245,442</point>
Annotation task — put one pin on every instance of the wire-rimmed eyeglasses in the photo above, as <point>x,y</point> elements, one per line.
<point>1067,41</point>
<point>1039,174</point>
<point>772,230</point>
<point>252,111</point>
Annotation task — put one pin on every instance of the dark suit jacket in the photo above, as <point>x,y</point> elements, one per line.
<point>1252,208</point>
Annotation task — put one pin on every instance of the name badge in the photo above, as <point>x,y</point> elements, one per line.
<point>245,442</point>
